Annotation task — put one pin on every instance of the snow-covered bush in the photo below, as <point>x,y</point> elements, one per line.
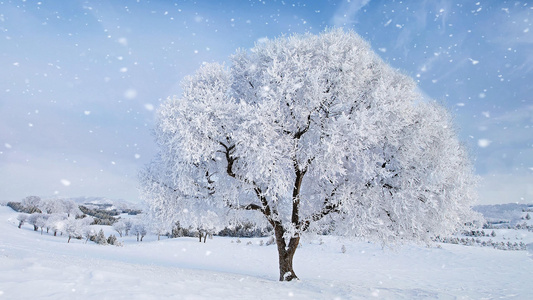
<point>271,241</point>
<point>245,229</point>
<point>513,246</point>
<point>179,231</point>
<point>112,239</point>
<point>100,238</point>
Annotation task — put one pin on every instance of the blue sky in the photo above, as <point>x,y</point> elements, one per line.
<point>80,80</point>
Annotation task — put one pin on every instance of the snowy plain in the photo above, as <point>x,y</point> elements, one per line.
<point>35,266</point>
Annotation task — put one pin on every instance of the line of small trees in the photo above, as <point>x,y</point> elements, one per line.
<point>176,229</point>
<point>506,225</point>
<point>480,243</point>
<point>58,223</point>
<point>101,217</point>
<point>76,227</point>
<point>60,217</point>
<point>478,233</point>
<point>34,204</point>
<point>135,227</point>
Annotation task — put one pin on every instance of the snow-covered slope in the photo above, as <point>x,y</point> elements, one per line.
<point>34,266</point>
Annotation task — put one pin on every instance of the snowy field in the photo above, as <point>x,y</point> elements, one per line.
<point>35,266</point>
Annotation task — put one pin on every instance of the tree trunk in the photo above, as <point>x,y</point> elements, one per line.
<point>285,254</point>
<point>69,237</point>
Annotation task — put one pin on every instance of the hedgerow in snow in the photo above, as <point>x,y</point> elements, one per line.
<point>303,131</point>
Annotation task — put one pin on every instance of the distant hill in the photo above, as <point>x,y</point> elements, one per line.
<point>510,213</point>
<point>104,203</point>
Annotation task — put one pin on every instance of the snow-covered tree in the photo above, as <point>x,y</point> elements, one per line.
<point>208,224</point>
<point>31,204</point>
<point>308,130</point>
<point>76,228</point>
<point>33,220</point>
<point>127,226</point>
<point>52,206</point>
<point>71,208</point>
<point>139,230</point>
<point>89,233</point>
<point>56,222</point>
<point>41,221</point>
<point>22,218</point>
<point>158,224</point>
<point>119,227</point>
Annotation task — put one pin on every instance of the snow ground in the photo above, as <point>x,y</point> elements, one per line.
<point>34,266</point>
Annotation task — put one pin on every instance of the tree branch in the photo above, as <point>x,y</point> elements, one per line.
<point>229,158</point>
<point>265,207</point>
<point>326,210</point>
<point>250,206</point>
